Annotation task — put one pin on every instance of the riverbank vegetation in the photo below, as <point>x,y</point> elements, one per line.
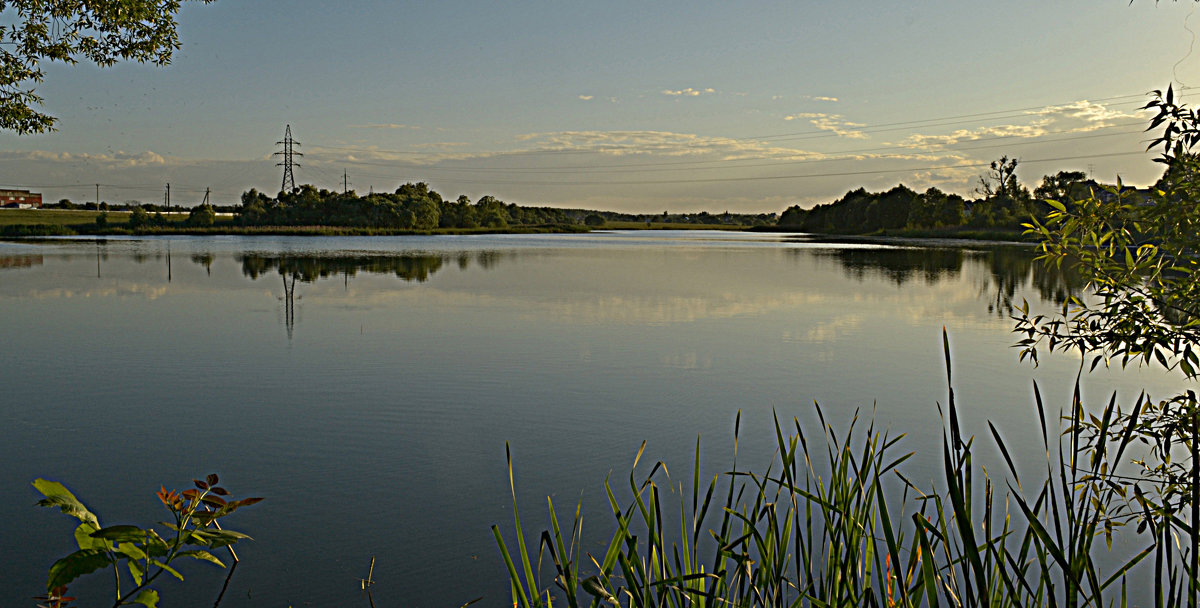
<point>1002,207</point>
<point>413,208</point>
<point>837,520</point>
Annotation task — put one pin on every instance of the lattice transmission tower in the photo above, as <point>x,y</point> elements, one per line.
<point>289,180</point>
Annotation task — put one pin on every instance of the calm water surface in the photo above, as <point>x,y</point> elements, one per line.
<point>367,386</point>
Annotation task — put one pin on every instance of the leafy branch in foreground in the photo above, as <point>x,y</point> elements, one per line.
<point>141,552</point>
<point>66,31</point>
<point>1140,256</point>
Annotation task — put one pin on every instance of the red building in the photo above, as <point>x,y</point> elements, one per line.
<point>21,199</point>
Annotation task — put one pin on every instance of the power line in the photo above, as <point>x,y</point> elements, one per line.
<point>809,134</point>
<point>697,164</point>
<point>796,176</point>
<point>289,180</point>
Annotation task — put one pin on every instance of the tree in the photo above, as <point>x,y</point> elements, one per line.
<point>202,215</point>
<point>1062,186</point>
<point>67,31</point>
<point>138,218</point>
<point>1141,259</point>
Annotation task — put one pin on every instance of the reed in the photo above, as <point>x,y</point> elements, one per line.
<point>825,525</point>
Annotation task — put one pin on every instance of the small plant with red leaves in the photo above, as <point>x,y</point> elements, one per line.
<point>142,554</point>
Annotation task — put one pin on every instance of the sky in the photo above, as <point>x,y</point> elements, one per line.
<point>635,106</point>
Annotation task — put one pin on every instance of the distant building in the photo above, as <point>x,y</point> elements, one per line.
<point>20,199</point>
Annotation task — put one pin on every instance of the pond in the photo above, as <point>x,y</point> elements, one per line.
<point>367,387</point>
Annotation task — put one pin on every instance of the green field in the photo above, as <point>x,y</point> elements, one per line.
<point>57,217</point>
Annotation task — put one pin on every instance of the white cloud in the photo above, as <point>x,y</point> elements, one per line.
<point>388,125</point>
<point>1073,118</point>
<point>688,92</point>
<point>587,97</point>
<point>833,123</point>
<point>116,159</point>
<point>665,143</point>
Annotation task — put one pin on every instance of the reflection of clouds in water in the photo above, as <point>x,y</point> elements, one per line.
<point>688,360</point>
<point>582,309</point>
<point>830,331</point>
<point>125,290</point>
<point>666,310</point>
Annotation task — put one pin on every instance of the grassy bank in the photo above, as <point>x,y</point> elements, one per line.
<point>57,217</point>
<point>31,223</point>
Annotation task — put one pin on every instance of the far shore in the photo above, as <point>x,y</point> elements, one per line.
<point>53,223</point>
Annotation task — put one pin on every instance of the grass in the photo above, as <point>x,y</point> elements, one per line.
<point>614,225</point>
<point>57,217</point>
<point>826,525</point>
<point>54,222</point>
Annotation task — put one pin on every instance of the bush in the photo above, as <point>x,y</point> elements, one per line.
<point>138,218</point>
<point>202,215</point>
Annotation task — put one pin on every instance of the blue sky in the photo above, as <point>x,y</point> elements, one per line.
<point>632,106</point>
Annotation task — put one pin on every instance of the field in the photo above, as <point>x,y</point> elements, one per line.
<point>58,217</point>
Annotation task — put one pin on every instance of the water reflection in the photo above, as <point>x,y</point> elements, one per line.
<point>20,261</point>
<point>438,351</point>
<point>309,268</point>
<point>1009,269</point>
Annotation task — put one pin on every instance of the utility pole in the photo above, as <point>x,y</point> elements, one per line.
<point>206,191</point>
<point>345,182</point>
<point>289,180</point>
<point>167,199</point>
<point>97,196</point>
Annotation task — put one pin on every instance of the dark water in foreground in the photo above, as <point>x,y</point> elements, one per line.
<point>367,386</point>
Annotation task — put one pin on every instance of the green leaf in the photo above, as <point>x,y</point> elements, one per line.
<point>155,545</point>
<point>121,534</point>
<point>131,551</point>
<point>57,495</point>
<point>77,564</point>
<point>147,598</point>
<point>221,538</point>
<point>167,568</point>
<point>203,556</point>
<point>83,537</point>
<point>136,571</point>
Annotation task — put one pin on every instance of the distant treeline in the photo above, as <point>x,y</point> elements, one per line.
<point>413,206</point>
<point>1004,204</point>
<point>410,207</point>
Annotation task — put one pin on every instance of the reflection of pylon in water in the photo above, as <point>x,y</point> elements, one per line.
<point>289,305</point>
<point>289,180</point>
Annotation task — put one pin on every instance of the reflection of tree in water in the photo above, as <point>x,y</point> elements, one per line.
<point>19,261</point>
<point>205,260</point>
<point>310,268</point>
<point>1009,268</point>
<point>897,265</point>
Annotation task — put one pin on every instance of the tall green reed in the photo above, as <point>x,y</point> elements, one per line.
<point>827,527</point>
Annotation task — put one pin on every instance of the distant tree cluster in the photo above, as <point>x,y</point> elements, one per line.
<point>697,218</point>
<point>860,211</point>
<point>1003,203</point>
<point>410,207</point>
